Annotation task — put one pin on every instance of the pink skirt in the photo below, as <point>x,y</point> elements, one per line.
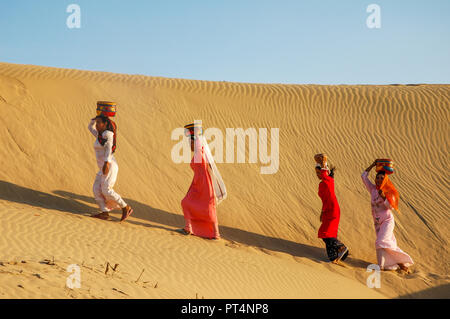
<point>389,255</point>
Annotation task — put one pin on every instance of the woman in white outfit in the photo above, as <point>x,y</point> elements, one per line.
<point>107,199</point>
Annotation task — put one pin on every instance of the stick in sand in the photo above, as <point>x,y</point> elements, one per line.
<point>140,275</point>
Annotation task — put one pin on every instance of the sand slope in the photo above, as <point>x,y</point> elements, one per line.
<point>269,222</point>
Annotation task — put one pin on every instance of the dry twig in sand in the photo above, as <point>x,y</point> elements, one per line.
<point>140,276</point>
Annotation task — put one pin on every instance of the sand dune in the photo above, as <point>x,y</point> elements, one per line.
<point>269,222</point>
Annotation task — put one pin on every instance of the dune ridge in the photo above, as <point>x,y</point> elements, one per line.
<point>48,167</point>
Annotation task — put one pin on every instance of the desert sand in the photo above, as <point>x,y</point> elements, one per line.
<point>268,222</point>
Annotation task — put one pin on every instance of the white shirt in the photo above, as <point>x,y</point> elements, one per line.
<point>103,153</point>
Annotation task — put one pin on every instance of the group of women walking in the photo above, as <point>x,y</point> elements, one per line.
<point>207,190</point>
<point>384,198</point>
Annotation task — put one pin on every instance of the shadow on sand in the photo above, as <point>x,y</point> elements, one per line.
<point>78,204</point>
<point>439,292</point>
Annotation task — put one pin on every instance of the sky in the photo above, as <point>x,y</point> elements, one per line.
<point>258,41</point>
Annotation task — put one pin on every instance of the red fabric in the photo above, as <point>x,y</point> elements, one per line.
<point>330,207</point>
<point>199,203</point>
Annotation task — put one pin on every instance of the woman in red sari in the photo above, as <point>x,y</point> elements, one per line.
<point>330,214</point>
<point>206,190</point>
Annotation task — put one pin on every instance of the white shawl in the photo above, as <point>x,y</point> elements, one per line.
<point>220,190</point>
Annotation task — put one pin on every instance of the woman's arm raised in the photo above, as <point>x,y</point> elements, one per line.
<point>92,128</point>
<point>365,177</point>
<point>371,166</point>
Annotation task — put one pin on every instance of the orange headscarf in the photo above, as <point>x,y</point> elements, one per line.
<point>390,192</point>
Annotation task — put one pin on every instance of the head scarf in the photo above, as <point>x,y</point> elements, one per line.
<point>390,192</point>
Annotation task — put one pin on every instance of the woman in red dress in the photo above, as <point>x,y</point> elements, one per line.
<point>330,214</point>
<point>206,190</point>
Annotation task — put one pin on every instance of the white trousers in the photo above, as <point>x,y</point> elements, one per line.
<point>106,198</point>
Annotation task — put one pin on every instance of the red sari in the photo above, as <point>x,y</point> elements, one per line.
<point>199,205</point>
<point>330,207</point>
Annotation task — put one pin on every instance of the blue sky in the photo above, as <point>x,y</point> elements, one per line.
<point>311,41</point>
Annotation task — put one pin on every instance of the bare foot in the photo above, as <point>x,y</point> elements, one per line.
<point>342,253</point>
<point>184,231</point>
<point>102,215</point>
<point>126,212</point>
<point>404,268</point>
